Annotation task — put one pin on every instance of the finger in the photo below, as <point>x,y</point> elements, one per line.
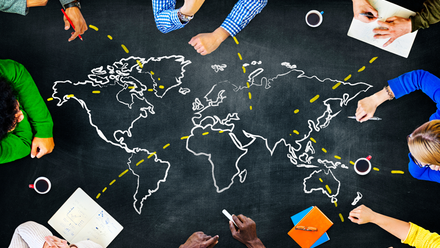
<point>384,24</point>
<point>41,152</point>
<point>74,35</point>
<point>391,19</point>
<point>382,36</point>
<point>66,24</point>
<point>49,240</point>
<point>238,221</point>
<point>389,42</point>
<point>353,220</point>
<point>34,150</point>
<point>374,12</point>
<point>381,31</point>
<point>212,241</point>
<point>201,50</point>
<point>232,228</point>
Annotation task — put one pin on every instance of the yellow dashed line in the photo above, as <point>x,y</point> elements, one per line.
<point>123,173</point>
<point>184,137</point>
<point>250,107</point>
<point>151,155</point>
<point>375,168</point>
<point>71,95</point>
<point>110,37</point>
<point>158,79</point>
<point>235,39</point>
<point>320,180</point>
<point>296,111</point>
<point>112,182</point>
<point>336,204</point>
<point>337,157</point>
<point>324,150</point>
<point>295,131</point>
<point>205,133</point>
<point>93,27</point>
<point>328,189</point>
<point>250,95</point>
<point>167,145</point>
<point>239,56</point>
<point>131,87</point>
<point>351,162</point>
<point>96,92</point>
<point>152,73</point>
<point>314,98</point>
<point>372,60</point>
<point>397,172</point>
<point>161,87</point>
<point>139,63</point>
<point>104,189</point>
<point>98,195</point>
<point>247,84</point>
<point>336,85</point>
<point>221,131</point>
<point>150,90</point>
<point>340,216</point>
<point>140,162</point>
<point>361,69</point>
<point>312,139</point>
<point>125,48</point>
<point>348,77</point>
<point>49,99</point>
<point>244,69</point>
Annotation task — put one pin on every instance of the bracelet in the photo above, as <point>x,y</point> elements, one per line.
<point>72,4</point>
<point>390,94</point>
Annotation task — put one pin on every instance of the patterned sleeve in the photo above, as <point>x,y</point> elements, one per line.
<point>165,16</point>
<point>242,13</point>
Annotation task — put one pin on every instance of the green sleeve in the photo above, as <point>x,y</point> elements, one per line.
<point>430,14</point>
<point>421,238</point>
<point>29,97</point>
<point>16,144</point>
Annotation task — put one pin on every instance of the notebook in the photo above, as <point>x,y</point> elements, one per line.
<point>298,217</point>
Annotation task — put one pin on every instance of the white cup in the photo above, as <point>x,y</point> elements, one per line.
<point>41,185</point>
<point>362,166</point>
<point>314,18</point>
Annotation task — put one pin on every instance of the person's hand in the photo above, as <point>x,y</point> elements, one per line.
<point>41,147</point>
<point>393,28</point>
<point>55,242</point>
<point>200,240</point>
<point>362,215</point>
<point>363,6</point>
<point>434,167</point>
<point>366,108</point>
<point>246,232</point>
<point>190,7</point>
<point>35,3</point>
<point>206,43</point>
<point>78,21</point>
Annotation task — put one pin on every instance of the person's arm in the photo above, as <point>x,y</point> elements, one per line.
<point>421,238</point>
<point>363,214</point>
<point>242,13</point>
<point>14,6</point>
<point>17,143</point>
<point>246,232</point>
<point>199,239</point>
<point>165,16</point>
<point>29,234</point>
<point>73,11</point>
<point>363,6</point>
<point>430,14</point>
<point>425,173</point>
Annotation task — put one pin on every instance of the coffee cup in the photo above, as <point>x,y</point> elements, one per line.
<point>362,166</point>
<point>41,185</point>
<point>314,18</point>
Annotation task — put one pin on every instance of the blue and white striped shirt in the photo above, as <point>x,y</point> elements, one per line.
<point>243,12</point>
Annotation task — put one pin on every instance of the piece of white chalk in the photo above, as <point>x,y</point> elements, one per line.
<point>226,213</point>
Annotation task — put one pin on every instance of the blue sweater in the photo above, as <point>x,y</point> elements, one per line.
<point>430,85</point>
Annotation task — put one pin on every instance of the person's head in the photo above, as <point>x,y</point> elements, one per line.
<point>424,143</point>
<point>9,108</point>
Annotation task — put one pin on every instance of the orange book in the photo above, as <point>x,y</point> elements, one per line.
<point>315,223</point>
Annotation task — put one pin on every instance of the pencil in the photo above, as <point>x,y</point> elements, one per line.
<point>71,24</point>
<point>372,118</point>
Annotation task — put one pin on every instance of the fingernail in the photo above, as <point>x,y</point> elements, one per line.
<point>32,156</point>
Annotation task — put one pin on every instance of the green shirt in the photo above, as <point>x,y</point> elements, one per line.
<point>37,119</point>
<point>430,14</point>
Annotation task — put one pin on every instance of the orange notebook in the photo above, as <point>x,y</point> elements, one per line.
<point>315,218</point>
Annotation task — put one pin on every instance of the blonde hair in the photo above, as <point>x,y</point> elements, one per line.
<point>424,143</point>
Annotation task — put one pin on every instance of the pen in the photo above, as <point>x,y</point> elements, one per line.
<point>369,15</point>
<point>306,228</point>
<point>372,118</point>
<point>71,24</point>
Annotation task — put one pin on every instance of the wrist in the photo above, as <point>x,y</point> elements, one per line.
<point>221,34</point>
<point>256,243</point>
<point>72,4</point>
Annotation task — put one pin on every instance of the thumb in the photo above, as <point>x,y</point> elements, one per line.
<point>34,149</point>
<point>388,42</point>
<point>232,228</point>
<point>66,24</point>
<point>391,19</point>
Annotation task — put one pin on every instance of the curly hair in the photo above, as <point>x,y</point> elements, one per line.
<point>8,107</point>
<point>424,142</point>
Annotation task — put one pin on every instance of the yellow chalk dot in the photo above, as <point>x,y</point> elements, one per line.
<point>244,69</point>
<point>165,146</point>
<point>348,77</point>
<point>140,162</point>
<point>361,69</point>
<point>98,195</point>
<point>104,189</point>
<point>312,139</point>
<point>71,95</point>
<point>328,189</point>
<point>152,73</point>
<point>139,63</point>
<point>250,107</point>
<point>158,79</point>
<point>161,87</point>
<point>351,162</point>
<point>320,180</point>
<point>336,85</point>
<point>294,131</point>
<point>110,37</point>
<point>151,155</point>
<point>205,133</point>
<point>324,150</point>
<point>296,111</point>
<point>314,98</point>
<point>221,131</point>
<point>184,137</point>
<point>150,90</point>
<point>250,95</point>
<point>375,168</point>
<point>93,27</point>
<point>372,60</point>
<point>336,204</point>
<point>235,39</point>
<point>247,84</point>
<point>397,172</point>
<point>125,48</point>
<point>337,157</point>
<point>96,92</point>
<point>112,182</point>
<point>49,99</point>
<point>131,87</point>
<point>340,216</point>
<point>123,173</point>
<point>239,56</point>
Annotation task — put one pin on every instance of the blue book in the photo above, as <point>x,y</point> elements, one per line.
<point>298,217</point>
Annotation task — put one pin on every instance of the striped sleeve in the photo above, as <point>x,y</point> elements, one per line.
<point>165,16</point>
<point>29,235</point>
<point>242,13</point>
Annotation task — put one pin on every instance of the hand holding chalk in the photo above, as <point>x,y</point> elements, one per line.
<point>199,239</point>
<point>367,106</point>
<point>361,215</point>
<point>246,232</point>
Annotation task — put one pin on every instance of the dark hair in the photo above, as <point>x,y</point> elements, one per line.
<point>8,107</point>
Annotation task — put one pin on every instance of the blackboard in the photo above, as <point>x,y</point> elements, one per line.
<point>269,187</point>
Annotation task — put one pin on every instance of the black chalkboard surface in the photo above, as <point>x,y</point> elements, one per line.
<point>164,163</point>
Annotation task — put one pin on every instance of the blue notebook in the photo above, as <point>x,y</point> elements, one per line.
<point>297,217</point>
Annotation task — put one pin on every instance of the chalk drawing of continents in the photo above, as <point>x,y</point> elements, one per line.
<point>268,108</point>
